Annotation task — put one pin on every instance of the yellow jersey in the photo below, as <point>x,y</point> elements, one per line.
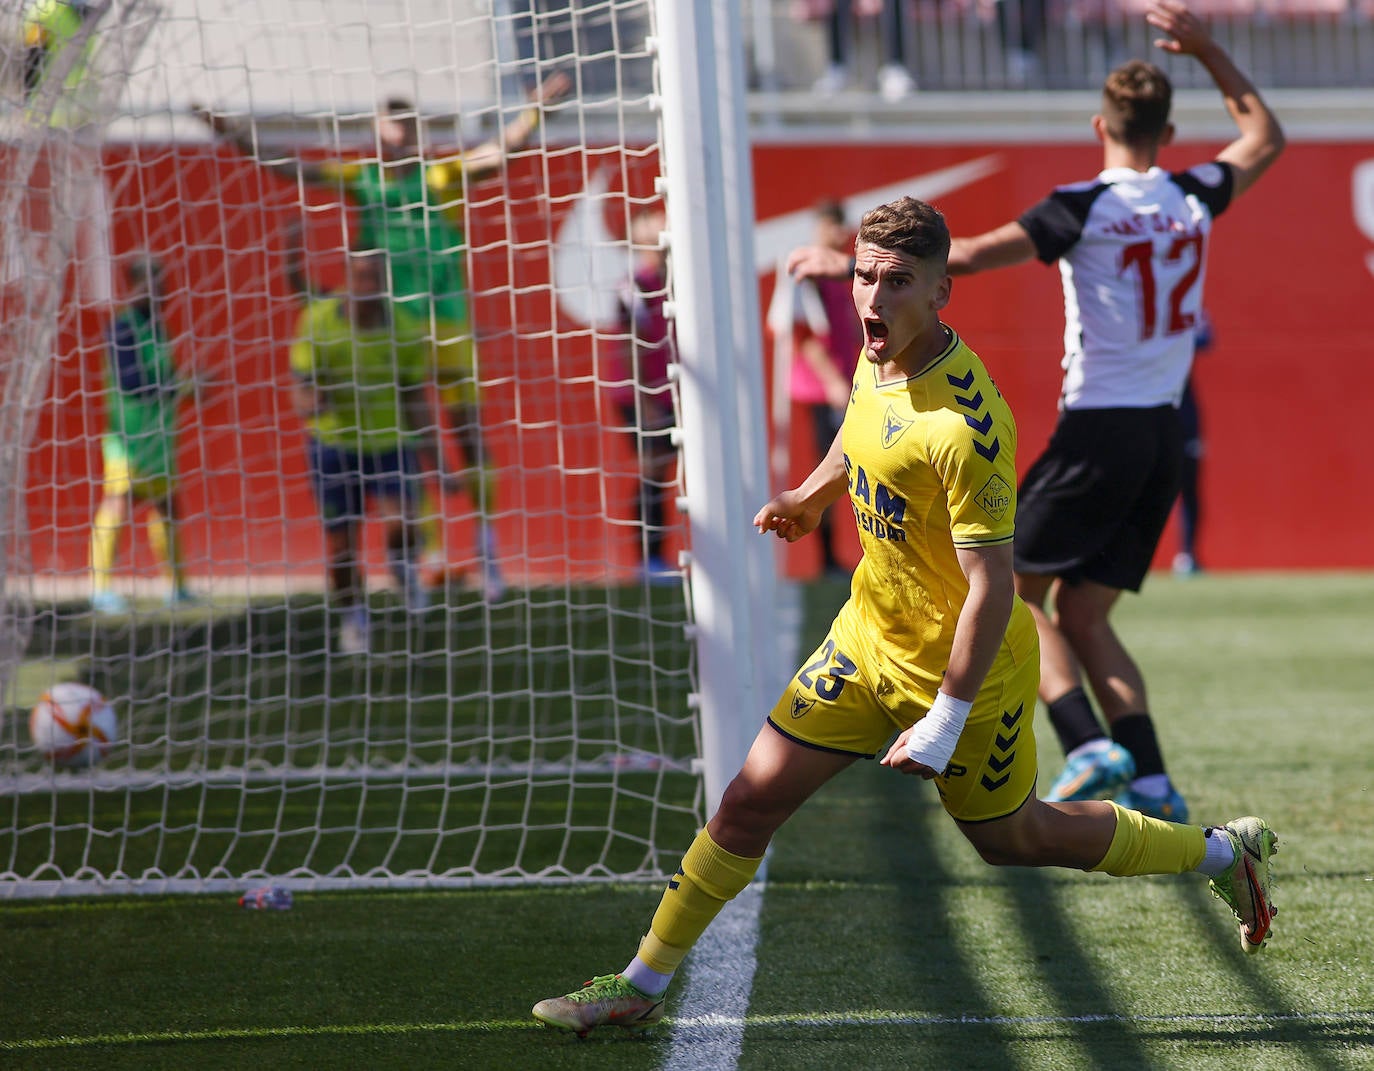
<point>932,467</point>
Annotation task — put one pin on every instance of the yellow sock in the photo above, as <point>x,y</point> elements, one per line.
<point>162,537</point>
<point>1143,845</point>
<point>104,547</point>
<point>707,880</point>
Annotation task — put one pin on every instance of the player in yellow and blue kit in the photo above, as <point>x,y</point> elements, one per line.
<point>360,365</point>
<point>933,646</point>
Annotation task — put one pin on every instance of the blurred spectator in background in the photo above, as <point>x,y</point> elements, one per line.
<point>641,389</point>
<point>412,211</point>
<point>840,18</point>
<point>1189,500</point>
<point>360,369</point>
<point>818,316</point>
<point>142,394</point>
<point>1021,25</point>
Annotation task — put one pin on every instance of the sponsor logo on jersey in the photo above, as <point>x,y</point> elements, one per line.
<point>885,509</point>
<point>995,497</point>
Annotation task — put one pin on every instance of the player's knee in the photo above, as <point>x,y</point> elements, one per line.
<point>746,818</point>
<point>1079,622</point>
<point>1002,854</point>
<point>1008,842</point>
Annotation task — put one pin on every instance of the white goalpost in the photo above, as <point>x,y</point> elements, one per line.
<point>439,583</point>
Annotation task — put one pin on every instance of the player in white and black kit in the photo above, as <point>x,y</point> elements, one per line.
<point>1131,245</point>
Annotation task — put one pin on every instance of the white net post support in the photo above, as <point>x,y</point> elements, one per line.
<point>721,401</point>
<point>772,619</point>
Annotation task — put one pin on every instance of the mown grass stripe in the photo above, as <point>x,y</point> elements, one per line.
<point>67,1041</point>
<point>686,1024</point>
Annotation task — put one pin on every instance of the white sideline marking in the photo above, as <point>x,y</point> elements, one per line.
<point>894,1018</point>
<point>708,1022</point>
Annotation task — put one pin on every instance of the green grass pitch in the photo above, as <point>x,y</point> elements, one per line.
<point>883,941</point>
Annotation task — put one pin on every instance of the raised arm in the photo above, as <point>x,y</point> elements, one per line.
<point>1261,138</point>
<point>1004,247</point>
<point>240,136</point>
<point>485,159</point>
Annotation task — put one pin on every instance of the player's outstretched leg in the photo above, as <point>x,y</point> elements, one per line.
<point>1098,769</point>
<point>608,1000</point>
<point>1247,887</point>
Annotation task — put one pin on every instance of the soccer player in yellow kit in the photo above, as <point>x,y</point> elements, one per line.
<point>359,365</point>
<point>932,646</point>
<point>142,396</point>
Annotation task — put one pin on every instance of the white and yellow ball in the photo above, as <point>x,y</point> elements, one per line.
<point>73,725</point>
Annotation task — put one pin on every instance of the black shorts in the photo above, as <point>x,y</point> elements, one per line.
<point>1094,504</point>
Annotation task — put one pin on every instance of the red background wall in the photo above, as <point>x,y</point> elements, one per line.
<point>1286,390</point>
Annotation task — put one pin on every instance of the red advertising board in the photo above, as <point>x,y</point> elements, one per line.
<point>1284,391</point>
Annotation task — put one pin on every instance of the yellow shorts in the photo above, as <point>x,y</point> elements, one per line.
<point>853,700</point>
<point>122,479</point>
<point>455,364</point>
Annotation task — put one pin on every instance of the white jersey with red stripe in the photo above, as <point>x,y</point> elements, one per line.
<point>1132,253</point>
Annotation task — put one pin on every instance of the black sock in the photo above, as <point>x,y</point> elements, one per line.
<point>1136,733</point>
<point>1073,719</point>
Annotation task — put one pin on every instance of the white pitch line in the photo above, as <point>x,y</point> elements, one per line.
<point>709,1019</point>
<point>717,1021</point>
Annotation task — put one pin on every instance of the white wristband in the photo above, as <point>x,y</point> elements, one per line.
<point>934,737</point>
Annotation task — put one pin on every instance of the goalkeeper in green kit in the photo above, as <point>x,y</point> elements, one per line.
<point>411,209</point>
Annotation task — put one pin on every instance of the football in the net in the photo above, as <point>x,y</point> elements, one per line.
<point>73,725</point>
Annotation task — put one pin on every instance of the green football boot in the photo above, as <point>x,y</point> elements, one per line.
<point>1247,886</point>
<point>608,1000</point>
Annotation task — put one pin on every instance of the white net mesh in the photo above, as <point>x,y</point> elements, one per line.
<point>482,678</point>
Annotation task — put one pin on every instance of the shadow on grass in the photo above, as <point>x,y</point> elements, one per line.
<point>547,734</point>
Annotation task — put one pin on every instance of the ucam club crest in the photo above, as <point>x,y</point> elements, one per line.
<point>894,427</point>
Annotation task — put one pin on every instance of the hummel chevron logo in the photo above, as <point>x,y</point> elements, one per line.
<point>989,452</point>
<point>998,765</point>
<point>992,785</point>
<point>982,427</point>
<point>975,403</point>
<point>962,384</point>
<point>1005,743</point>
<point>673,883</point>
<point>1011,717</point>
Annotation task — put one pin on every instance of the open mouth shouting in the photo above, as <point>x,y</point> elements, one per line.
<point>875,336</point>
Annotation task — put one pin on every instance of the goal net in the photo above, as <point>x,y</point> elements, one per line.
<point>341,450</point>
